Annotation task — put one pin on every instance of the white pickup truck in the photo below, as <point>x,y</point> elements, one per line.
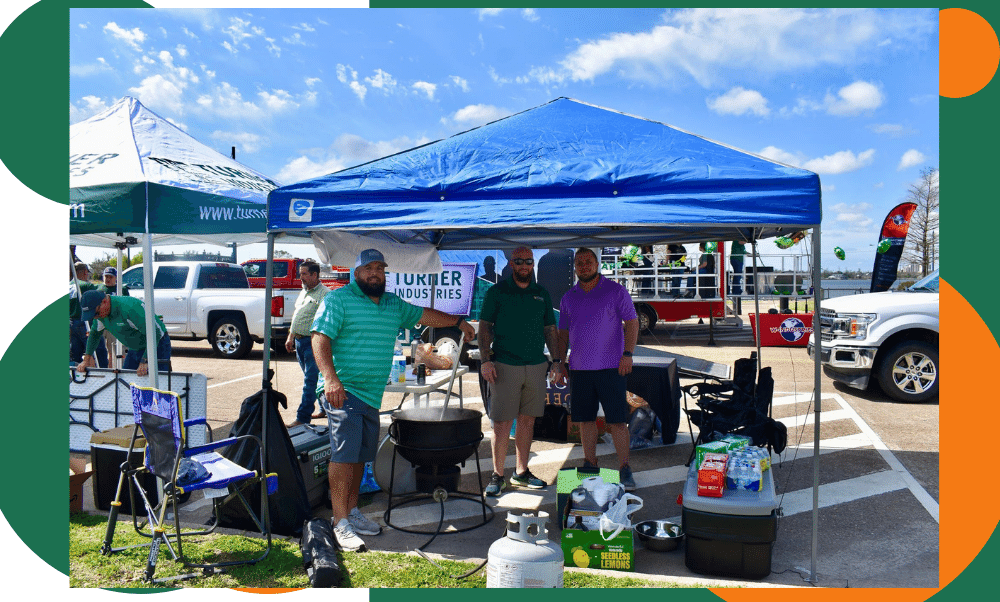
<point>892,336</point>
<point>205,299</point>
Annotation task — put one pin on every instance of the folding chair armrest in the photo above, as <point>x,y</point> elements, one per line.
<point>195,421</point>
<point>210,446</point>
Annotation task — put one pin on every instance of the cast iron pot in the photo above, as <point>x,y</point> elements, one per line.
<point>436,436</point>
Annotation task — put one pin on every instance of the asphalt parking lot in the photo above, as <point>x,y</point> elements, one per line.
<point>878,517</point>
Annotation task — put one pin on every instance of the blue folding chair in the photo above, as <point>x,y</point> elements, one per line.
<point>183,470</point>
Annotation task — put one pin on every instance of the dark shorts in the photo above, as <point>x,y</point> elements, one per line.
<point>590,387</point>
<point>353,431</point>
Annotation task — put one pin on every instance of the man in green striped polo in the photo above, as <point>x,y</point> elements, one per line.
<point>353,337</point>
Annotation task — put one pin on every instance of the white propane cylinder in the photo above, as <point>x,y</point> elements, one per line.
<point>525,557</point>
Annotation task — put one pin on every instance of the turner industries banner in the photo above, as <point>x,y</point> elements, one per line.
<point>452,288</point>
<point>894,229</point>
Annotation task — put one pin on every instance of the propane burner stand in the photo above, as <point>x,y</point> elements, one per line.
<point>439,492</point>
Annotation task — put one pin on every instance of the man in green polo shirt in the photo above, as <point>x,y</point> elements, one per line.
<point>125,318</point>
<point>353,337</point>
<point>516,322</point>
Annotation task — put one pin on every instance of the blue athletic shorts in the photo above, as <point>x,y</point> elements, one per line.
<point>354,431</point>
<point>590,387</point>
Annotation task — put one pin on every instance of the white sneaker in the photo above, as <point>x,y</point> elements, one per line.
<point>347,538</point>
<point>362,524</point>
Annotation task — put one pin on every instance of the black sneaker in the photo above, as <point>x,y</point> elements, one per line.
<point>625,478</point>
<point>497,484</point>
<point>588,467</point>
<point>526,479</point>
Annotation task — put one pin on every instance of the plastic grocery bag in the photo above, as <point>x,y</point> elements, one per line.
<point>619,516</point>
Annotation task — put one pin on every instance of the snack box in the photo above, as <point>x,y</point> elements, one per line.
<point>712,479</point>
<point>712,447</point>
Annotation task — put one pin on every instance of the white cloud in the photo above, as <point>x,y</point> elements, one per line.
<point>359,90</point>
<point>382,81</point>
<point>489,12</point>
<point>312,81</point>
<point>85,108</point>
<point>188,33</point>
<point>82,25</point>
<point>782,156</point>
<point>910,158</point>
<point>279,101</point>
<point>238,31</point>
<point>460,82</point>
<point>304,27</point>
<point>182,51</point>
<point>158,92</point>
<point>852,214</point>
<point>837,163</point>
<point>133,37</point>
<point>295,39</point>
<point>226,100</point>
<point>854,99</point>
<point>208,72</point>
<point>346,151</point>
<point>100,65</point>
<point>427,88</point>
<point>713,44</point>
<point>163,31</point>
<point>475,115</point>
<point>893,130</point>
<point>244,141</point>
<point>530,14</point>
<point>840,162</point>
<point>879,186</point>
<point>739,101</point>
<point>272,47</point>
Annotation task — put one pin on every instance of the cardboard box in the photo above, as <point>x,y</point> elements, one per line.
<point>78,473</point>
<point>589,549</point>
<point>569,479</point>
<point>712,479</point>
<point>573,429</point>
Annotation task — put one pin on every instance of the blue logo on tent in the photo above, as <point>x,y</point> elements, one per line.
<point>793,329</point>
<point>300,210</point>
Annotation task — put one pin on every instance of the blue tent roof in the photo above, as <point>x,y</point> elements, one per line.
<point>562,174</point>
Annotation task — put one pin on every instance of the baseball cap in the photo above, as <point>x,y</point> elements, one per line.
<point>369,255</point>
<point>88,304</point>
<point>110,272</point>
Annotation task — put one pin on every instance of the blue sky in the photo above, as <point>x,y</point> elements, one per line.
<point>849,94</point>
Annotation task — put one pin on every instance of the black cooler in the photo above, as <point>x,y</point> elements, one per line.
<point>732,535</point>
<point>312,448</point>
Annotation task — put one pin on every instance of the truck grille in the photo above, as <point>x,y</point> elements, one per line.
<point>826,318</point>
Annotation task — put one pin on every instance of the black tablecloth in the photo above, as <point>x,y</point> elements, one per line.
<point>657,383</point>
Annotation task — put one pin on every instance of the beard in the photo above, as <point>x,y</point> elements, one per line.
<point>526,278</point>
<point>372,290</point>
<point>587,278</point>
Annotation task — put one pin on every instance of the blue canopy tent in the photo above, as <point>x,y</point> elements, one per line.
<point>564,174</point>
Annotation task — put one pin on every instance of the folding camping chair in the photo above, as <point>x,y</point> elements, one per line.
<point>739,406</point>
<point>182,469</point>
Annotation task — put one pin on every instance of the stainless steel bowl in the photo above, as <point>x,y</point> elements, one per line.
<point>659,535</point>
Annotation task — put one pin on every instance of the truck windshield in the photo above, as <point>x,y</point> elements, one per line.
<point>222,277</point>
<point>927,283</point>
<point>256,269</point>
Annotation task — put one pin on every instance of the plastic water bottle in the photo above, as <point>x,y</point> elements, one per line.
<point>398,373</point>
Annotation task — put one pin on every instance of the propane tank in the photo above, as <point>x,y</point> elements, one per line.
<point>525,557</point>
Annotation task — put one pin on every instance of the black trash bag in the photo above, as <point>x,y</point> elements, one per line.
<point>319,553</point>
<point>640,428</point>
<point>289,506</point>
<point>553,424</point>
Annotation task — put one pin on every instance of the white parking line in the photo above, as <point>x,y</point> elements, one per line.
<point>236,380</point>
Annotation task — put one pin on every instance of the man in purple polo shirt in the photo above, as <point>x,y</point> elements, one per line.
<point>590,324</point>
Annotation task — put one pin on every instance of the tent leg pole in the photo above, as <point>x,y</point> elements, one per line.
<point>817,390</point>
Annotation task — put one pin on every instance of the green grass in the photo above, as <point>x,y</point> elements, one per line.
<point>281,569</point>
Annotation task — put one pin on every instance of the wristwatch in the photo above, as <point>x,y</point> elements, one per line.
<point>627,353</point>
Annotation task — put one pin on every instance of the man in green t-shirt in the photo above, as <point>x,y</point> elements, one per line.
<point>110,287</point>
<point>125,318</point>
<point>77,328</point>
<point>356,328</point>
<point>516,322</point>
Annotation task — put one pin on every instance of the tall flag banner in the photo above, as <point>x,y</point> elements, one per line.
<point>890,246</point>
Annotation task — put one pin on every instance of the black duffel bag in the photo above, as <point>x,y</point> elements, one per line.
<point>319,553</point>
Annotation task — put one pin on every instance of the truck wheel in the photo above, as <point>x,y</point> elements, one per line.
<point>230,338</point>
<point>647,318</point>
<point>908,372</point>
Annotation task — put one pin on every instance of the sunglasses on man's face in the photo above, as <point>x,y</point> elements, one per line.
<point>519,261</point>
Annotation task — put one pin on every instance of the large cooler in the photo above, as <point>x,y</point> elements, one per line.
<point>108,449</point>
<point>312,448</point>
<point>730,536</point>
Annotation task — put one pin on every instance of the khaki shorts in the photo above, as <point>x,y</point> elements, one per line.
<point>518,390</point>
